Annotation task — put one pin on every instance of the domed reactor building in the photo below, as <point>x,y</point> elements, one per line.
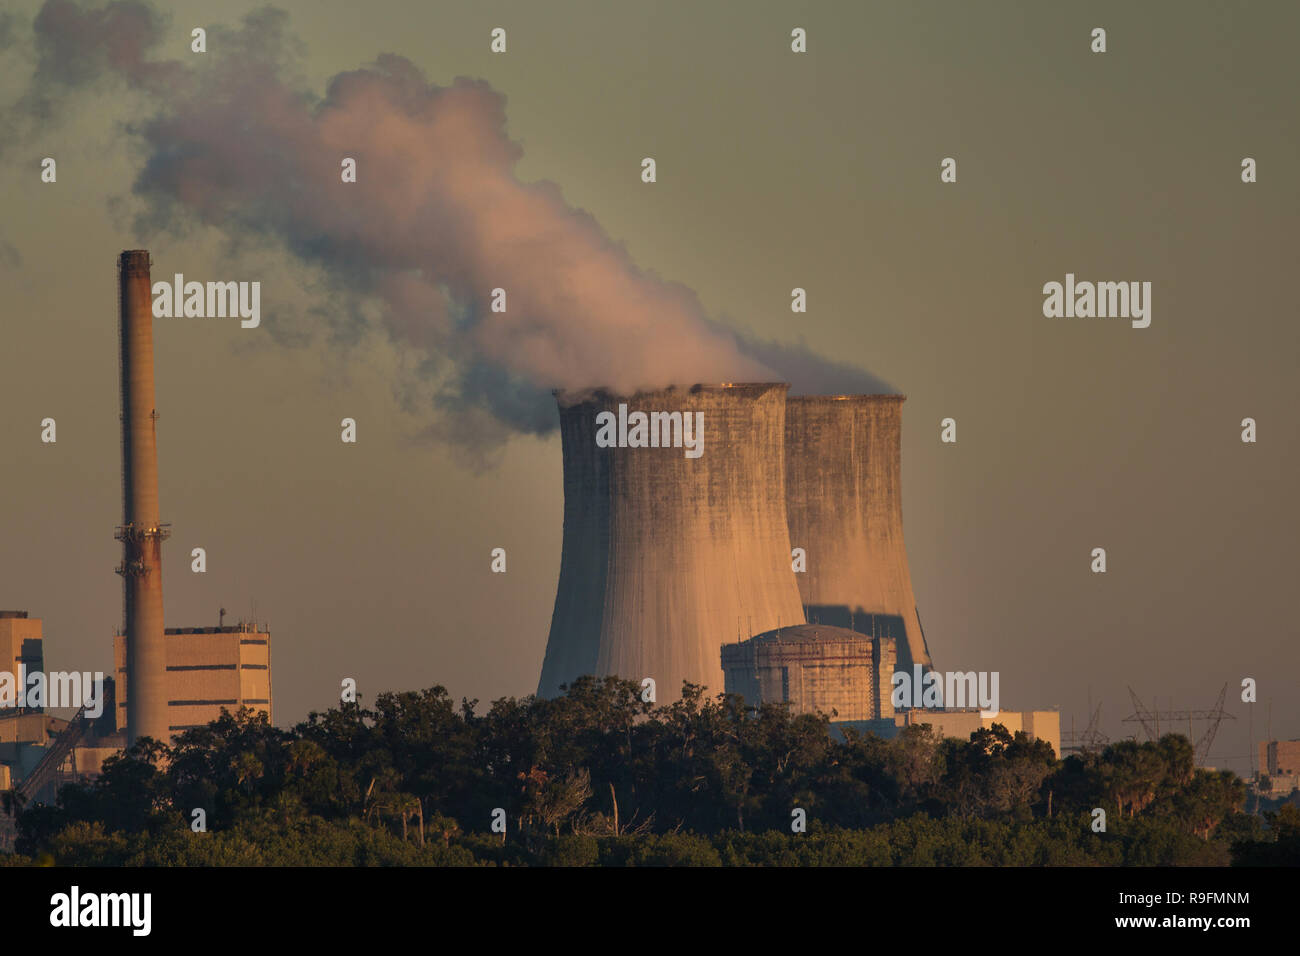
<point>815,667</point>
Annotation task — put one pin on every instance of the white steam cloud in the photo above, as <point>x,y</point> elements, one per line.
<point>436,220</point>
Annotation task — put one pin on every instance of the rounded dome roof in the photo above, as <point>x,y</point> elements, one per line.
<point>808,634</point>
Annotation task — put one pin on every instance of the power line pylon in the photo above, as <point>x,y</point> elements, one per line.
<point>1151,720</point>
<point>1090,741</point>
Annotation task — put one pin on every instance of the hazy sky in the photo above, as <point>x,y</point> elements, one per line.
<point>775,170</point>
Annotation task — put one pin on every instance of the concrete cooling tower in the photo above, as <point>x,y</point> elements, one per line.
<point>845,507</point>
<point>667,557</point>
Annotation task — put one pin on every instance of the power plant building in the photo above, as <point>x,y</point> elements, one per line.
<point>169,680</point>
<point>208,668</point>
<point>961,723</point>
<point>21,648</point>
<point>814,667</point>
<point>37,752</point>
<point>1279,756</point>
<point>1279,760</point>
<point>24,740</point>
<point>848,676</point>
<point>24,731</point>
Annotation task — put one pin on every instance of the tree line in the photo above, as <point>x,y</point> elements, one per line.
<point>599,776</point>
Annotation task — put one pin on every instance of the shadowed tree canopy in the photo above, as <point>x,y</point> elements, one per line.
<point>598,775</point>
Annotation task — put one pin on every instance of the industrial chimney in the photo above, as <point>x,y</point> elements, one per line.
<point>845,507</point>
<point>666,557</point>
<point>141,534</point>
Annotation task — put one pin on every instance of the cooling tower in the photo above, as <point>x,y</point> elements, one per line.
<point>845,507</point>
<point>141,534</point>
<point>667,557</point>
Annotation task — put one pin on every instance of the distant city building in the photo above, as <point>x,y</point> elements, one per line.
<point>814,667</point>
<point>208,668</point>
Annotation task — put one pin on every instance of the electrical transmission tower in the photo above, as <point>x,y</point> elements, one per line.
<point>1090,741</point>
<point>1151,721</point>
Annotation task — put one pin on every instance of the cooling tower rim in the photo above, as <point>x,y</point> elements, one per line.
<point>569,397</point>
<point>870,397</point>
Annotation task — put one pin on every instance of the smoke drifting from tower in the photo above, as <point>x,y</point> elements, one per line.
<point>666,558</point>
<point>141,533</point>
<point>436,220</point>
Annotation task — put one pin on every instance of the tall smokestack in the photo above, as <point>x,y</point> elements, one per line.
<point>666,558</point>
<point>141,534</point>
<point>845,506</point>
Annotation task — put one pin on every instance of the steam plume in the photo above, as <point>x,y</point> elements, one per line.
<point>436,221</point>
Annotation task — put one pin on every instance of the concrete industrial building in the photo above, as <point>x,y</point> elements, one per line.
<point>37,751</point>
<point>21,647</point>
<point>843,465</point>
<point>24,731</point>
<point>814,667</point>
<point>1279,756</point>
<point>666,557</point>
<point>208,668</point>
<point>24,738</point>
<point>961,723</point>
<point>1279,760</point>
<point>1037,724</point>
